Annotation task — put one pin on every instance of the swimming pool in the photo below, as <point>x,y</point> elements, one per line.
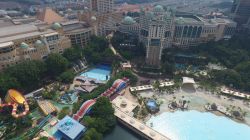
<point>100,72</point>
<point>194,125</point>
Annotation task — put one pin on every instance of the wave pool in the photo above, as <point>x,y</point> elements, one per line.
<point>100,72</point>
<point>194,125</point>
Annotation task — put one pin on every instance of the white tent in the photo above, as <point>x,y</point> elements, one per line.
<point>188,80</point>
<point>188,84</point>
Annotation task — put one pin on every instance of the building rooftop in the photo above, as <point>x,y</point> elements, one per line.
<point>46,107</point>
<point>74,26</point>
<point>70,22</point>
<point>189,20</point>
<point>6,44</point>
<point>128,20</point>
<point>17,29</point>
<point>70,127</point>
<point>49,16</point>
<point>4,23</point>
<point>24,35</point>
<point>217,21</point>
<point>158,8</point>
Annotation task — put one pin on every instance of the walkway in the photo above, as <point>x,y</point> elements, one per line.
<point>139,126</point>
<point>226,90</point>
<point>147,87</point>
<point>109,37</point>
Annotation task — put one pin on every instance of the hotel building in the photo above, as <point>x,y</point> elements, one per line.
<point>101,6</point>
<point>28,42</point>
<point>101,16</point>
<point>78,32</point>
<point>156,32</point>
<point>160,28</point>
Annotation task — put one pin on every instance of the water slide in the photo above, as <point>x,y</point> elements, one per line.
<point>14,113</point>
<point>86,106</point>
<point>84,109</point>
<point>14,98</point>
<point>33,131</point>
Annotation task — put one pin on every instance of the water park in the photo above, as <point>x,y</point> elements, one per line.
<point>143,109</point>
<point>14,98</point>
<point>112,93</point>
<point>154,108</point>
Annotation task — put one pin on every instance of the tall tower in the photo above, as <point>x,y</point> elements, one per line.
<point>156,32</point>
<point>101,6</point>
<point>241,11</point>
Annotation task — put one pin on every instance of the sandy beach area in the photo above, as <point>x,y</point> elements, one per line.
<point>198,99</point>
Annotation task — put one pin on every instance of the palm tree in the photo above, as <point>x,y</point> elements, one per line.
<point>174,97</point>
<point>156,84</point>
<point>244,114</point>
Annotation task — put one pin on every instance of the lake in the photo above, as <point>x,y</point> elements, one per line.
<point>121,132</point>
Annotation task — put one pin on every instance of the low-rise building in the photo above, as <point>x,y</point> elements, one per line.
<point>28,42</point>
<point>188,30</point>
<point>69,129</point>
<point>126,66</point>
<point>218,29</point>
<point>78,32</point>
<point>46,107</point>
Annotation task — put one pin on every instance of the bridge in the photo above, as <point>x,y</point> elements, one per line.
<point>117,86</point>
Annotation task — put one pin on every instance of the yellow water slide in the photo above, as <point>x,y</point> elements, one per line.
<point>15,98</point>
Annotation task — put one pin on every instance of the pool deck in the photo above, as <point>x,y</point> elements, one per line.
<point>124,115</point>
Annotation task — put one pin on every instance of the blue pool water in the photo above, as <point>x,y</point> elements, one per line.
<point>194,125</point>
<point>100,72</point>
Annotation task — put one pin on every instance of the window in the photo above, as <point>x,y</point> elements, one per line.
<point>155,42</point>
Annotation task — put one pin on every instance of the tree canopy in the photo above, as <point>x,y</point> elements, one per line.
<point>66,77</point>
<point>98,51</point>
<point>56,64</point>
<point>92,134</point>
<point>102,119</point>
<point>28,74</point>
<point>128,53</point>
<point>73,53</point>
<point>65,111</point>
<point>103,109</point>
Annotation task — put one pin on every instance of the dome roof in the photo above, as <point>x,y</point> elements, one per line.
<point>93,18</point>
<point>56,26</point>
<point>128,20</point>
<point>150,14</point>
<point>24,45</point>
<point>180,20</point>
<point>39,43</point>
<point>158,8</point>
